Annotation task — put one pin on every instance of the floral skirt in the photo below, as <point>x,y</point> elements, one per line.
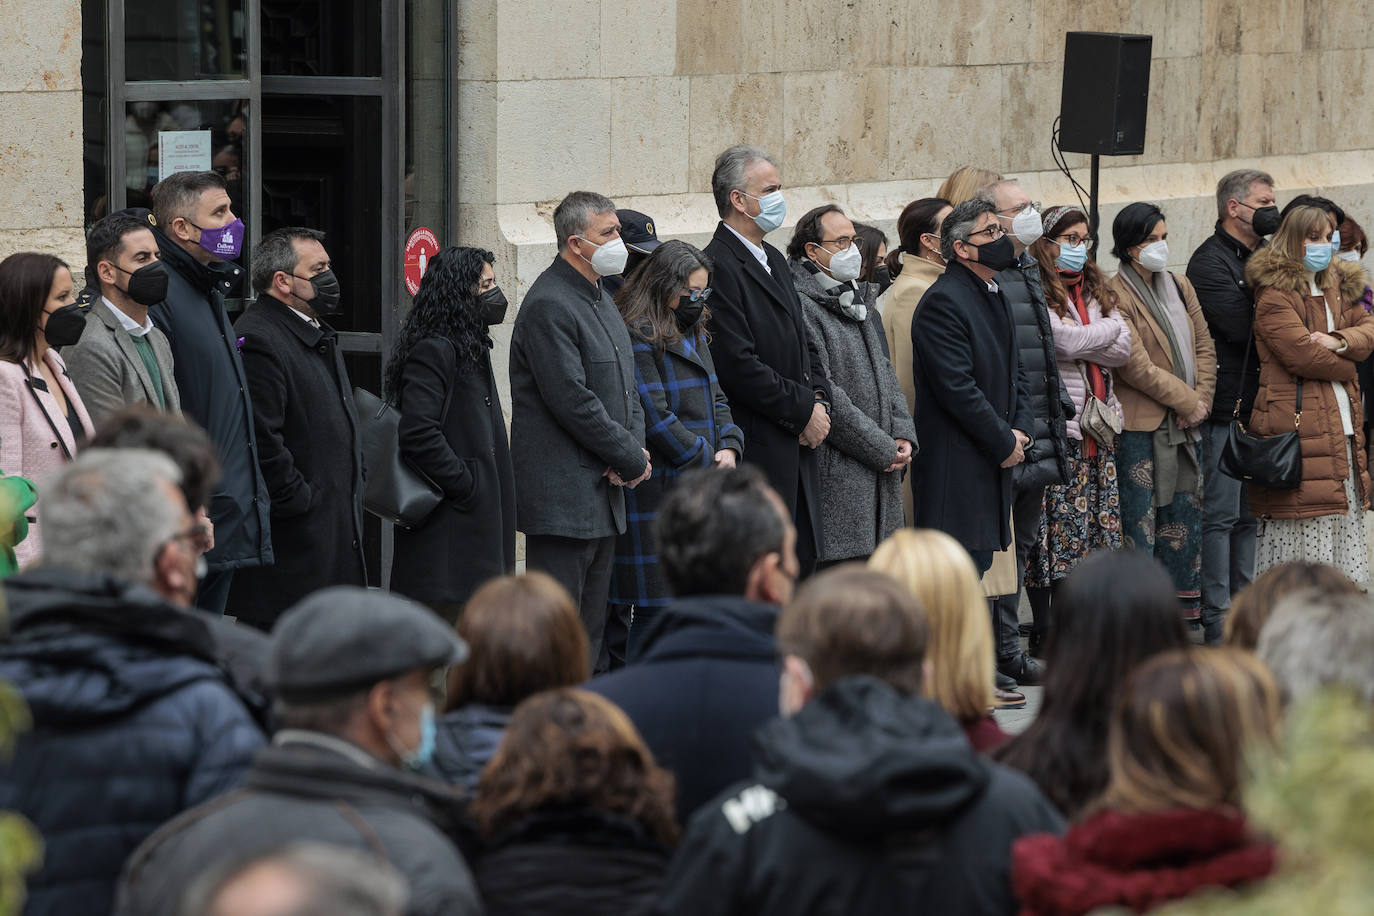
<point>1172,533</point>
<point>1336,540</point>
<point>1079,517</point>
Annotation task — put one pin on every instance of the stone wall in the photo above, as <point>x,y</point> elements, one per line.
<point>40,129</point>
<point>870,103</point>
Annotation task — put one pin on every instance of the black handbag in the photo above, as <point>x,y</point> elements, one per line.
<point>1274,462</point>
<point>395,490</point>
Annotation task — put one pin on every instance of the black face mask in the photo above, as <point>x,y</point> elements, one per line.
<point>998,255</point>
<point>65,325</point>
<point>883,277</point>
<point>327,294</point>
<point>492,305</point>
<point>148,284</point>
<point>1265,221</point>
<point>688,313</point>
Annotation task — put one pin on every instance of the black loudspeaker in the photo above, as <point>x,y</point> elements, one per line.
<point>1106,93</point>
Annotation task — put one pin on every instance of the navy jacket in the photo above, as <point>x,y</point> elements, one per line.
<point>465,741</point>
<point>214,393</point>
<point>707,678</point>
<point>132,723</point>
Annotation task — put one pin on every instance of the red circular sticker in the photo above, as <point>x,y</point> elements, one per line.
<point>420,248</point>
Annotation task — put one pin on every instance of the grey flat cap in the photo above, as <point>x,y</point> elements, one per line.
<point>344,639</point>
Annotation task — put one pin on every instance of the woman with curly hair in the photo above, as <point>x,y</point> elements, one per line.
<point>453,431</point>
<point>574,815</point>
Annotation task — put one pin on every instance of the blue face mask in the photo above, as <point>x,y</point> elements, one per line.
<point>1336,240</point>
<point>1072,257</point>
<point>419,758</point>
<point>1318,256</point>
<point>772,210</point>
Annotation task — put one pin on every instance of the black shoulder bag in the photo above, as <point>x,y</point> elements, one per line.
<point>1274,462</point>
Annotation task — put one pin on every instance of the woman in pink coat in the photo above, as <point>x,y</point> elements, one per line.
<point>42,419</point>
<point>1090,337</point>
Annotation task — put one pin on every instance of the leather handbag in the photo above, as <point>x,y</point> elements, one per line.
<point>1098,420</point>
<point>1274,462</point>
<point>395,490</point>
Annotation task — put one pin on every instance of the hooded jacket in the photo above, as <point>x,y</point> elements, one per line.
<point>706,679</point>
<point>305,788</point>
<point>1285,316</point>
<point>865,799</point>
<point>133,722</point>
<point>465,741</point>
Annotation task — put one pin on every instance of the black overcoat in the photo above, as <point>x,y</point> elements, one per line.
<point>311,457</point>
<point>970,393</point>
<point>470,538</point>
<point>768,367</point>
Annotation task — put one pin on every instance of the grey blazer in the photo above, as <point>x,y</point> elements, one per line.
<point>575,410</point>
<point>108,371</point>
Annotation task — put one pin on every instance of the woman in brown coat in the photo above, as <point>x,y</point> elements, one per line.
<point>1311,330</point>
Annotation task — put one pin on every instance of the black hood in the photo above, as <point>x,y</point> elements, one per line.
<point>863,760</point>
<point>83,648</point>
<point>716,626</point>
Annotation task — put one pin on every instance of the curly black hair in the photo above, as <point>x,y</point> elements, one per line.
<point>445,306</point>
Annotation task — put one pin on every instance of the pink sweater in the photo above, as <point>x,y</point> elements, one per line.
<point>1104,341</point>
<point>27,444</point>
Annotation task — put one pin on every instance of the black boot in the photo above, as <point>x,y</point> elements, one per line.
<point>1023,669</point>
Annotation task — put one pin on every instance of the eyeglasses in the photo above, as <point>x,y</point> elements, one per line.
<point>698,295</point>
<point>992,232</point>
<point>843,241</point>
<point>1012,211</point>
<point>1074,239</point>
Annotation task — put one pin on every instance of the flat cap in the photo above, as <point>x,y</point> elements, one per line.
<point>345,639</point>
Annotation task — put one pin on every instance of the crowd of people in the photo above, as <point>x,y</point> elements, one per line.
<point>778,512</point>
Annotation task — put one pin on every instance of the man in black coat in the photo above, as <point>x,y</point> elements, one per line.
<point>577,426</point>
<point>768,367</point>
<point>972,400</point>
<point>356,672</point>
<point>134,719</point>
<point>1047,458</point>
<point>707,674</point>
<point>866,797</point>
<point>198,237</point>
<point>309,447</point>
<point>1245,214</point>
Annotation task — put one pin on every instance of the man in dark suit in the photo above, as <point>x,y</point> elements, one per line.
<point>972,399</point>
<point>307,428</point>
<point>577,427</point>
<point>768,368</point>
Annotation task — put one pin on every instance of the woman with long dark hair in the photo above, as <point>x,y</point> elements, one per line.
<point>687,420</point>
<point>453,431</point>
<point>1116,609</point>
<point>42,419</point>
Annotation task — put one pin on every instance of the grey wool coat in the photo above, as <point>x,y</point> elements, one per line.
<point>575,410</point>
<point>108,371</point>
<point>861,502</point>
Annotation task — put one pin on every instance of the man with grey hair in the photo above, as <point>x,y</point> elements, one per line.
<point>768,366</point>
<point>577,427</point>
<point>1245,214</point>
<point>309,446</point>
<point>972,399</point>
<point>1316,639</point>
<point>133,719</point>
<point>302,879</point>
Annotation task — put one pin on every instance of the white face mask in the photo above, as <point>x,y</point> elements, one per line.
<point>1026,226</point>
<point>1154,256</point>
<point>608,259</point>
<point>1352,256</point>
<point>847,264</point>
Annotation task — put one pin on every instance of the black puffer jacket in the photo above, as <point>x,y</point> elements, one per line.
<point>1047,459</point>
<point>133,722</point>
<point>865,801</point>
<point>1217,272</point>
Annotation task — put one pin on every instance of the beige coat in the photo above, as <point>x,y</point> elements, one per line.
<point>899,308</point>
<point>1147,386</point>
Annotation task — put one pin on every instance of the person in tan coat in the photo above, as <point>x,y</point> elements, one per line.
<point>913,266</point>
<point>1311,331</point>
<point>1165,390</point>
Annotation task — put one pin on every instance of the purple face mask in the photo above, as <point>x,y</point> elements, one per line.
<point>225,242</point>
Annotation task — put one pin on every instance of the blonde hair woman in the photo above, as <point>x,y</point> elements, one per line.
<point>938,571</point>
<point>965,183</point>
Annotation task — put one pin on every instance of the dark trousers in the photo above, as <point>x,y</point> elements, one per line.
<point>583,567</point>
<point>213,594</point>
<point>1025,525</point>
<point>808,538</point>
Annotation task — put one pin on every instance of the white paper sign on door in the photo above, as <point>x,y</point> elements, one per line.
<point>183,151</point>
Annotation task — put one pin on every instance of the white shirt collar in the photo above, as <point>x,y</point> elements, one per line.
<point>756,250</point>
<point>127,323</point>
<point>992,286</point>
<point>313,322</point>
